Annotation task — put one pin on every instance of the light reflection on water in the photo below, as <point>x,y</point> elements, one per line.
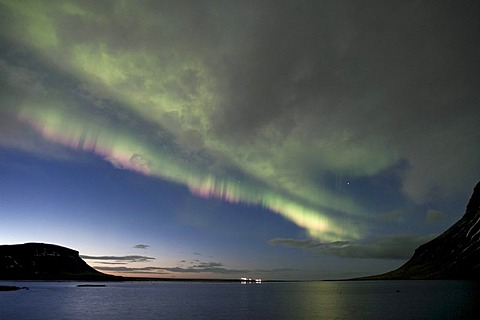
<point>194,300</point>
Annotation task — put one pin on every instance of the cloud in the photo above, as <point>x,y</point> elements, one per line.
<point>141,246</point>
<point>398,247</point>
<point>202,265</point>
<point>119,258</point>
<point>146,270</point>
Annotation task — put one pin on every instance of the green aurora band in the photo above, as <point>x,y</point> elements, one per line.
<point>176,91</point>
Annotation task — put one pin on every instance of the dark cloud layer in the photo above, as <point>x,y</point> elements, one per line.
<point>398,247</point>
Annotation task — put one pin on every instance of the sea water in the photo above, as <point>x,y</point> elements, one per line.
<point>211,300</point>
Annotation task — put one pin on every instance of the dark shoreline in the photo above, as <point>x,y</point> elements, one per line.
<point>96,282</point>
<point>140,279</point>
<point>12,288</point>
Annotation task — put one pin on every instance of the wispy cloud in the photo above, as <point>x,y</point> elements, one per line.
<point>206,265</point>
<point>119,258</point>
<point>146,270</point>
<point>141,246</point>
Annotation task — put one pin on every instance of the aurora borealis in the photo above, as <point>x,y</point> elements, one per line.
<point>332,130</point>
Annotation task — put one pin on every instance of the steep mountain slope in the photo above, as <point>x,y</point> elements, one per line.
<point>455,254</point>
<point>39,261</point>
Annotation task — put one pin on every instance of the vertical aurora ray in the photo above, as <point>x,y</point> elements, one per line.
<point>130,153</point>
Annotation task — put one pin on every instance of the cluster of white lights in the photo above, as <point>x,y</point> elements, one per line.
<point>250,280</point>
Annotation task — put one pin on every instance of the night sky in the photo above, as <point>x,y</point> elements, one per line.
<point>222,139</point>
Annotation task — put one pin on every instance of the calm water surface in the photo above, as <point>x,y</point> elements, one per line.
<point>302,300</point>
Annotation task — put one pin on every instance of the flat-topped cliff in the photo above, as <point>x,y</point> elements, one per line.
<point>40,261</point>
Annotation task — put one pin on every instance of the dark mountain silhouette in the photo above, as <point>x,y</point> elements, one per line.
<point>455,254</point>
<point>40,261</point>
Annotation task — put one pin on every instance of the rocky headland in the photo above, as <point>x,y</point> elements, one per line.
<point>455,254</point>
